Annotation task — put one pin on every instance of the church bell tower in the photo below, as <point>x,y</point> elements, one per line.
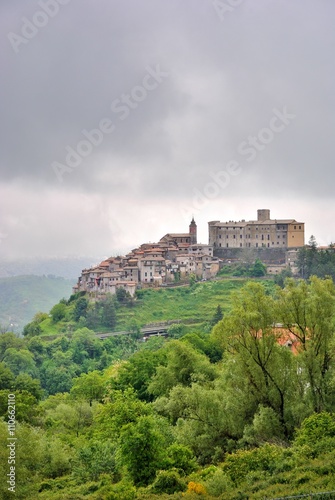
<point>193,232</point>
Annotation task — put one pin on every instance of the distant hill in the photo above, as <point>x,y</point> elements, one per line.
<point>69,268</point>
<point>21,297</point>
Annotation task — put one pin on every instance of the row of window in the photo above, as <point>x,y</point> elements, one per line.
<point>249,244</point>
<point>241,236</point>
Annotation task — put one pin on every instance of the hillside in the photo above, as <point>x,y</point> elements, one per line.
<point>21,297</point>
<point>219,413</point>
<point>193,305</point>
<point>66,267</point>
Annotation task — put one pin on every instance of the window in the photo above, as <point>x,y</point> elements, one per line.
<point>227,245</point>
<point>241,236</point>
<point>262,236</point>
<point>234,236</point>
<point>268,236</point>
<point>256,245</point>
<point>295,227</point>
<point>220,236</point>
<point>240,244</point>
<point>299,227</point>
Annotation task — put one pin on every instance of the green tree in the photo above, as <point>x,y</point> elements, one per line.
<point>142,449</point>
<point>89,386</point>
<point>20,361</point>
<point>121,295</point>
<point>6,377</point>
<point>122,408</point>
<point>183,365</point>
<point>80,309</point>
<point>307,311</point>
<point>258,269</point>
<point>55,378</point>
<point>95,458</point>
<point>280,278</point>
<point>10,340</point>
<point>109,312</point>
<point>217,316</point>
<point>58,312</point>
<point>247,333</point>
<point>137,373</point>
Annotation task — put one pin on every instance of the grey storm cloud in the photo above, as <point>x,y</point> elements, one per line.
<point>225,67</point>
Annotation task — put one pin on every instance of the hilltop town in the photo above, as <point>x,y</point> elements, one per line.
<point>178,256</point>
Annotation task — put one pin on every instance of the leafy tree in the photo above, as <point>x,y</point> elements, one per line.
<point>176,330</point>
<point>135,328</point>
<point>85,345</point>
<point>55,378</point>
<point>204,419</point>
<point>122,408</point>
<point>9,339</point>
<point>21,361</point>
<point>258,269</point>
<point>183,365</point>
<point>26,408</point>
<point>121,295</point>
<point>25,382</point>
<point>280,278</point>
<point>80,309</point>
<point>142,449</point>
<point>89,386</point>
<point>307,311</point>
<point>6,377</point>
<point>316,427</point>
<point>71,416</point>
<point>93,316</point>
<point>247,333</point>
<point>109,313</point>
<point>95,458</point>
<point>137,373</point>
<point>58,312</point>
<point>217,316</point>
<point>32,329</point>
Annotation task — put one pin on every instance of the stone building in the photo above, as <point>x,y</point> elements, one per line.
<point>261,233</point>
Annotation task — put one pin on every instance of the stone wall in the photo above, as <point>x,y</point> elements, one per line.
<point>274,256</point>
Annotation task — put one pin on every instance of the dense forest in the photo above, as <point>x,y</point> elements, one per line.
<point>237,402</point>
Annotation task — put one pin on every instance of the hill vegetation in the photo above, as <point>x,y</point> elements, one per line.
<point>21,297</point>
<point>225,409</point>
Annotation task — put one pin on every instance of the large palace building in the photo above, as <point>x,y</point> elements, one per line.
<point>261,233</point>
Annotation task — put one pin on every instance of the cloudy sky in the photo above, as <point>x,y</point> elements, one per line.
<point>122,119</point>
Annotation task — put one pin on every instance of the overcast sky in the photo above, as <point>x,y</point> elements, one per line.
<point>122,119</point>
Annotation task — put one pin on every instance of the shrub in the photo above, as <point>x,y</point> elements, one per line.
<point>197,488</point>
<point>315,428</point>
<point>219,483</point>
<point>168,481</point>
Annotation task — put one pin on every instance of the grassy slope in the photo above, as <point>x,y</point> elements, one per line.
<point>23,296</point>
<point>192,305</point>
<point>185,303</point>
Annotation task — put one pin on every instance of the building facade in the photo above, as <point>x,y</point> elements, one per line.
<point>261,233</point>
